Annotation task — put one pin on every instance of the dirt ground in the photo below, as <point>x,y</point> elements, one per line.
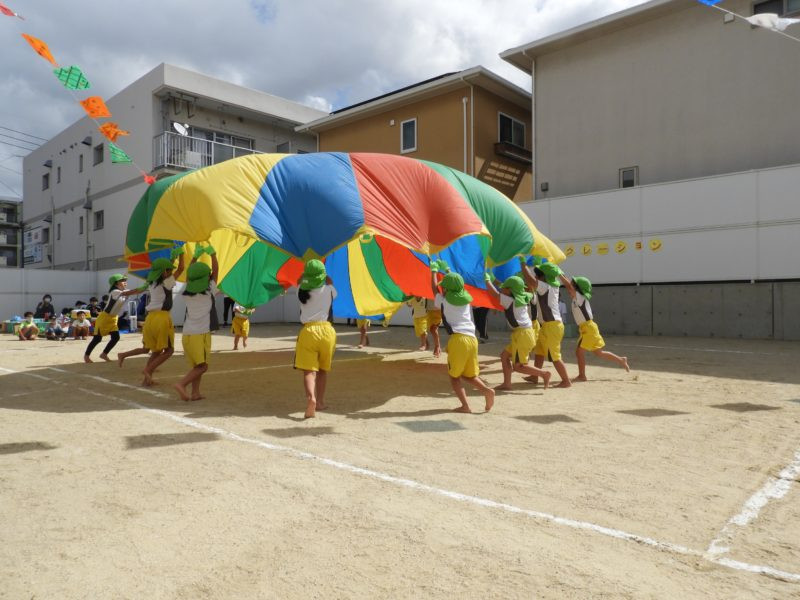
<point>615,488</point>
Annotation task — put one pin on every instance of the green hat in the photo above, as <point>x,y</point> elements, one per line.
<point>158,267</point>
<point>197,276</point>
<point>551,273</point>
<point>453,286</point>
<point>584,286</point>
<point>314,275</point>
<point>115,279</point>
<point>517,287</point>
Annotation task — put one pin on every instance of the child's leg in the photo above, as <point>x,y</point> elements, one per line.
<point>561,369</point>
<point>437,348</point>
<point>319,389</point>
<point>236,342</point>
<point>622,361</point>
<point>156,360</point>
<point>363,340</point>
<point>460,394</point>
<point>505,360</point>
<point>196,382</point>
<point>538,361</point>
<point>135,352</point>
<point>423,342</point>
<point>95,340</point>
<point>244,341</point>
<point>534,372</point>
<point>110,345</point>
<point>580,356</point>
<point>309,384</point>
<point>488,393</point>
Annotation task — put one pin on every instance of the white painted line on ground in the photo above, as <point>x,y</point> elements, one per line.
<point>712,350</point>
<point>774,489</point>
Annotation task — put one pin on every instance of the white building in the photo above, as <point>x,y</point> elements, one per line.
<point>77,203</point>
<point>10,238</point>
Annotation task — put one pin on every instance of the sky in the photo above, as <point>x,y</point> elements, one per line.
<point>324,54</point>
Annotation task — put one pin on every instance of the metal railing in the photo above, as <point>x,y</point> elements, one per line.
<point>184,152</point>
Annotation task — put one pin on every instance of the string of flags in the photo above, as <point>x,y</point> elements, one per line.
<point>74,80</point>
<point>771,21</point>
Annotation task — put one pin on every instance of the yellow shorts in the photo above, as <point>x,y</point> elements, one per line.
<point>462,356</point>
<point>434,318</point>
<point>105,324</point>
<point>420,326</point>
<point>196,348</point>
<point>590,338</point>
<point>549,342</point>
<point>523,341</point>
<point>315,346</point>
<point>240,326</point>
<point>158,332</point>
<point>363,323</point>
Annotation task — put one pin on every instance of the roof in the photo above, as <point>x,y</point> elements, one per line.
<point>429,88</point>
<point>522,56</point>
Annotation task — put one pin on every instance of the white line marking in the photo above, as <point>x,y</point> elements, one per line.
<point>712,350</point>
<point>774,489</point>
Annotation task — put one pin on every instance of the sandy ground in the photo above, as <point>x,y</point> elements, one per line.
<point>111,491</point>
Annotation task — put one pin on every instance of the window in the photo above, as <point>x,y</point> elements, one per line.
<point>408,136</point>
<point>98,154</point>
<point>58,174</point>
<point>58,231</point>
<point>778,7</point>
<point>46,181</point>
<point>629,177</point>
<point>283,148</point>
<point>98,220</point>
<point>80,163</point>
<point>511,131</point>
<point>80,225</point>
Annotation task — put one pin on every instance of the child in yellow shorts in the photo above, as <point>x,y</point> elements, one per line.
<point>420,316</point>
<point>363,326</point>
<point>462,347</point>
<point>240,327</point>
<point>433,316</point>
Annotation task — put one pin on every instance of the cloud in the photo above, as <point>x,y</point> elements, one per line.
<point>324,54</point>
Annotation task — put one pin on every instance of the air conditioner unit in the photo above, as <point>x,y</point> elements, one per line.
<point>192,159</point>
<point>3,238</point>
<point>3,261</point>
<point>3,217</point>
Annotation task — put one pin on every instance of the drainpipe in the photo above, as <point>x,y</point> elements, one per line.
<point>464,101</point>
<point>471,130</point>
<point>534,166</point>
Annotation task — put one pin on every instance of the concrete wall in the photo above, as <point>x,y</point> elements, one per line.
<point>680,96</point>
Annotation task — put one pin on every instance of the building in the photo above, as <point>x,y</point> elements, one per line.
<point>10,232</point>
<point>77,203</point>
<point>667,163</point>
<point>472,120</point>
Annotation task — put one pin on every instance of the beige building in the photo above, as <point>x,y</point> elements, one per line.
<point>473,120</point>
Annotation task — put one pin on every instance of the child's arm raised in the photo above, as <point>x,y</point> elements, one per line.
<point>493,291</point>
<point>530,279</point>
<point>567,284</point>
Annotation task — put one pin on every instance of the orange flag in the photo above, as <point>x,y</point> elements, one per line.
<point>112,131</point>
<point>95,107</point>
<point>40,48</point>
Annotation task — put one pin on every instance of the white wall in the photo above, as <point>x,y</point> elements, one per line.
<point>741,226</point>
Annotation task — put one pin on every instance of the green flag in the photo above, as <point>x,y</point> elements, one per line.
<point>118,154</point>
<point>72,78</point>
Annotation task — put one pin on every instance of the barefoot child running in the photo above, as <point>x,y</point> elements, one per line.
<point>462,346</point>
<point>108,317</point>
<point>363,328</point>
<point>317,339</point>
<point>420,316</point>
<point>240,326</point>
<point>516,356</point>
<point>201,318</point>
<point>580,289</point>
<point>433,316</point>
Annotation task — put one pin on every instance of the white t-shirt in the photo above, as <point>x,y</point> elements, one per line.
<point>157,295</point>
<point>549,310</point>
<point>458,317</point>
<point>116,303</point>
<point>241,311</point>
<point>318,306</point>
<point>430,305</point>
<point>520,313</point>
<point>418,309</point>
<point>198,311</point>
<point>580,302</point>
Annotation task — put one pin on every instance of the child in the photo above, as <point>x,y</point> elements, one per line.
<point>158,334</point>
<point>27,329</point>
<point>433,316</point>
<point>54,331</point>
<point>316,342</point>
<point>107,322</point>
<point>420,316</point>
<point>363,325</point>
<point>93,307</point>
<point>545,281</point>
<point>462,346</point>
<point>241,324</point>
<point>580,289</point>
<point>515,357</point>
<point>81,326</point>
<point>201,318</point>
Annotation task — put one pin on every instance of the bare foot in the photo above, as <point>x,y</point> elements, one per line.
<point>86,358</point>
<point>104,356</point>
<point>120,360</point>
<point>625,364</point>
<point>531,379</point>
<point>546,377</point>
<point>196,398</point>
<point>503,387</point>
<point>360,346</point>
<point>437,352</point>
<point>564,384</point>
<point>489,395</point>
<point>580,378</point>
<point>148,379</point>
<point>462,409</point>
<point>181,392</point>
<point>421,348</point>
<point>322,406</point>
<point>236,347</point>
<point>244,343</point>
<point>311,409</point>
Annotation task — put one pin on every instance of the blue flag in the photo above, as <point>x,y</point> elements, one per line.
<point>709,2</point>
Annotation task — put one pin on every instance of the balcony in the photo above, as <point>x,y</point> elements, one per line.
<point>517,153</point>
<point>176,152</point>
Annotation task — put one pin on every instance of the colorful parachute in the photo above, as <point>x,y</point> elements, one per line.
<point>376,220</point>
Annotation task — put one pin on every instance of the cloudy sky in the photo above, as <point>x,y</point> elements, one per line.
<point>324,54</point>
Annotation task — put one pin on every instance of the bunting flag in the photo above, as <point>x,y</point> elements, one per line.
<point>112,131</point>
<point>118,154</point>
<point>95,107</point>
<point>148,179</point>
<point>771,21</point>
<point>72,78</point>
<point>40,48</point>
<point>8,12</point>
<point>709,2</point>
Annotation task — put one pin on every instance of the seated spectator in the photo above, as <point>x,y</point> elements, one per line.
<point>45,310</point>
<point>55,331</point>
<point>81,326</point>
<point>28,329</point>
<point>64,321</point>
<point>93,307</point>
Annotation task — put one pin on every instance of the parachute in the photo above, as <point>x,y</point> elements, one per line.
<point>377,220</point>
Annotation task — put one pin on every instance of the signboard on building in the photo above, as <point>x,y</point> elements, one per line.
<point>33,254</point>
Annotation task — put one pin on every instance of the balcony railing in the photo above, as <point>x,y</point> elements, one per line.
<point>171,150</point>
